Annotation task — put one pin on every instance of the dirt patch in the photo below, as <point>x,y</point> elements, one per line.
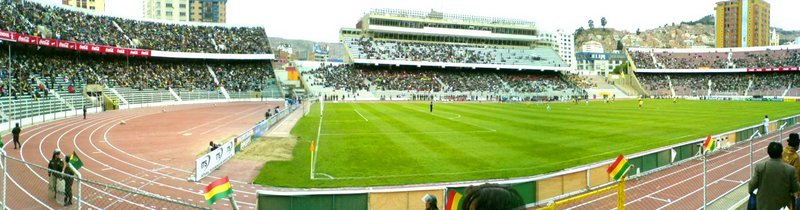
<point>269,149</point>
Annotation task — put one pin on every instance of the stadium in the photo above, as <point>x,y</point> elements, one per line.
<point>106,112</point>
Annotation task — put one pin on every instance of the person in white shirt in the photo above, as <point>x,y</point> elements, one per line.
<point>766,124</point>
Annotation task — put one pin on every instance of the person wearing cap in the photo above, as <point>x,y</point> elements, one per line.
<point>430,202</point>
<point>55,166</point>
<point>15,133</point>
<point>790,157</point>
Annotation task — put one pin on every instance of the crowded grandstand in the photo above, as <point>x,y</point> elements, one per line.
<point>395,52</point>
<point>132,57</point>
<point>764,71</point>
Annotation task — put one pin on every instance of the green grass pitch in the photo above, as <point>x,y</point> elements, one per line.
<point>372,144</point>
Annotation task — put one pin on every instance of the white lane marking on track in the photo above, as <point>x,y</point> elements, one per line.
<point>105,137</point>
<point>679,171</point>
<point>225,124</point>
<point>113,157</point>
<point>218,119</point>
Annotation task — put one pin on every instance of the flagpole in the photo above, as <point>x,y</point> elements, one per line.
<point>705,170</point>
<point>621,194</point>
<point>233,202</point>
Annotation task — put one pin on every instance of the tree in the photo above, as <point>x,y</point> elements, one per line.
<point>619,45</point>
<point>603,22</point>
<point>579,31</point>
<point>638,32</point>
<point>591,24</point>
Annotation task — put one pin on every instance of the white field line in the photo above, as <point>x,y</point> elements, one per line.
<point>420,132</point>
<point>362,116</point>
<point>316,145</point>
<point>452,119</point>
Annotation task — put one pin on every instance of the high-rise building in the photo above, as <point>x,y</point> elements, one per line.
<point>208,10</point>
<point>186,10</point>
<point>96,5</point>
<point>742,23</point>
<point>175,10</point>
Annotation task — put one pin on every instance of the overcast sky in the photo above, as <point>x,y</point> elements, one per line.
<point>320,20</point>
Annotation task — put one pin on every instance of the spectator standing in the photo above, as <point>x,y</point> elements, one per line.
<point>69,173</point>
<point>15,132</point>
<point>54,167</point>
<point>775,180</point>
<point>766,124</point>
<point>790,157</point>
<point>430,202</point>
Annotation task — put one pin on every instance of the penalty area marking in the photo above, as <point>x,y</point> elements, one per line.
<point>436,113</point>
<point>326,176</point>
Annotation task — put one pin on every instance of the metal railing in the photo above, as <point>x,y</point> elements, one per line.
<point>32,185</point>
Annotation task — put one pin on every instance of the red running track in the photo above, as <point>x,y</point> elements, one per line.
<point>154,152</point>
<point>681,186</point>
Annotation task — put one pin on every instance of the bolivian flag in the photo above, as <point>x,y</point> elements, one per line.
<point>710,144</point>
<point>453,200</point>
<point>75,161</point>
<point>618,168</point>
<point>217,190</point>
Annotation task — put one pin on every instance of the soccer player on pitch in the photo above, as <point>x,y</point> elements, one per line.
<point>641,103</point>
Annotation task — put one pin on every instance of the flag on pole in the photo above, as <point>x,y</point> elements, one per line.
<point>218,190</point>
<point>618,169</point>
<point>453,200</point>
<point>312,147</point>
<point>710,145</point>
<point>75,161</point>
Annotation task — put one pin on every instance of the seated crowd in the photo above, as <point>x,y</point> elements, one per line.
<point>64,24</point>
<point>717,60</point>
<point>369,48</point>
<point>721,83</point>
<point>51,65</point>
<point>353,78</point>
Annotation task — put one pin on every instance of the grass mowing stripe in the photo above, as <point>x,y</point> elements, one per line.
<point>529,140</point>
<point>443,148</point>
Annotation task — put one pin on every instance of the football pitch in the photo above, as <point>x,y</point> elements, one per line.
<point>373,144</point>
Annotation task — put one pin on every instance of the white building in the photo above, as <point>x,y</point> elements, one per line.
<point>592,46</point>
<point>175,10</point>
<point>563,42</point>
<point>775,38</point>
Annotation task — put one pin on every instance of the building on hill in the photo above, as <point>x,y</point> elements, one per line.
<point>96,5</point>
<point>775,38</point>
<point>593,47</point>
<point>598,63</point>
<point>406,37</point>
<point>742,23</point>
